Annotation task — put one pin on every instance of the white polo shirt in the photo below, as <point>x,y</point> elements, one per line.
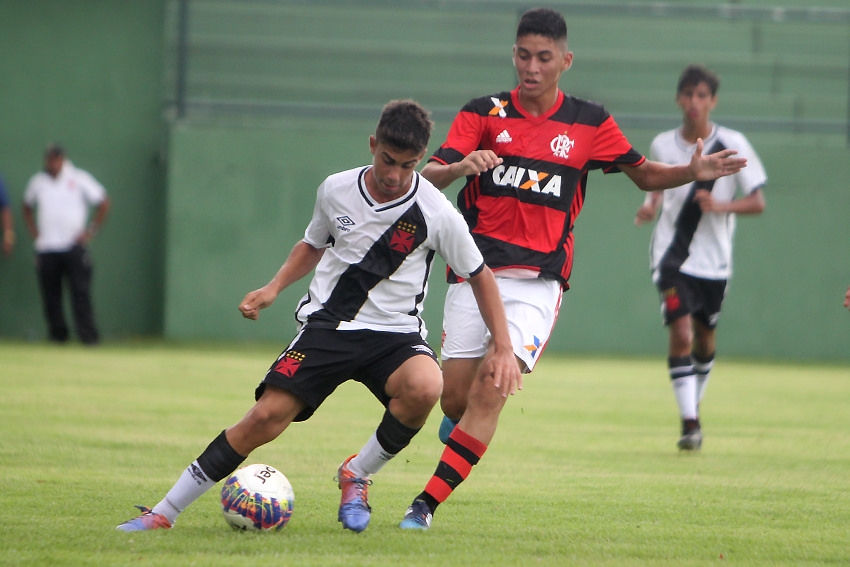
<point>62,205</point>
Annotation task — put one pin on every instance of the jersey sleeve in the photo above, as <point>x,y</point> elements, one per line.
<point>655,153</point>
<point>455,244</point>
<point>30,193</point>
<point>612,148</point>
<point>753,176</point>
<point>317,234</point>
<point>464,137</point>
<point>94,191</point>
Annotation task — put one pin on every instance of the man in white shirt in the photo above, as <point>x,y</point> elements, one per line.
<point>691,248</point>
<point>57,202</point>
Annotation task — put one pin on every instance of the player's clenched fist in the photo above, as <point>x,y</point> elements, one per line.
<point>480,161</point>
<point>256,300</point>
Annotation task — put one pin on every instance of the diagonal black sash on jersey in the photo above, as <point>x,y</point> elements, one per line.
<point>385,256</point>
<point>687,222</point>
<point>420,297</point>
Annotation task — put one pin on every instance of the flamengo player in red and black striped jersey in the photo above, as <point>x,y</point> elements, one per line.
<point>526,155</point>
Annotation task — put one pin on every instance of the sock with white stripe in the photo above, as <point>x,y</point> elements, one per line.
<point>702,368</point>
<point>684,382</point>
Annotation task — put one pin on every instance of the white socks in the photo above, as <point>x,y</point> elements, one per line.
<point>702,370</point>
<point>685,389</point>
<point>188,488</point>
<point>371,458</point>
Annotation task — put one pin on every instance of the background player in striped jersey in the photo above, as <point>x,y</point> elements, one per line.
<point>691,249</point>
<point>525,155</point>
<point>371,241</point>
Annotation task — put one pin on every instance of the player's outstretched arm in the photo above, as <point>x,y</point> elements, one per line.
<point>441,175</point>
<point>301,261</point>
<point>712,166</point>
<point>500,362</point>
<point>654,175</point>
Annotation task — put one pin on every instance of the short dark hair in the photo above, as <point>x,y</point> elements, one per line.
<point>696,74</point>
<point>54,150</point>
<point>542,21</point>
<point>404,125</point>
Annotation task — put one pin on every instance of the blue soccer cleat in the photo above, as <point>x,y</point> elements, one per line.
<point>417,517</point>
<point>147,520</point>
<point>354,510</point>
<point>446,428</point>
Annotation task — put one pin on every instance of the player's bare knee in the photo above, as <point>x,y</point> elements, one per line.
<point>453,407</point>
<point>424,392</point>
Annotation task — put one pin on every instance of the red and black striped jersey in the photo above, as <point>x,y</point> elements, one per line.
<point>521,213</point>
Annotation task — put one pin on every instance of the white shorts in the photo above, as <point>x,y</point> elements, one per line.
<point>531,306</point>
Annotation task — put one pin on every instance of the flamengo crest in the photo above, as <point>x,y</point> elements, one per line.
<point>561,146</point>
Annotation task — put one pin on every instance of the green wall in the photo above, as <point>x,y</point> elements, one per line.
<point>242,197</point>
<point>89,74</point>
<point>245,196</point>
<point>792,265</point>
<point>284,93</point>
<point>97,75</point>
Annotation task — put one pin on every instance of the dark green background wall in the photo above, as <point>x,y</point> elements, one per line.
<point>246,195</point>
<point>275,104</point>
<point>88,74</point>
<point>253,158</point>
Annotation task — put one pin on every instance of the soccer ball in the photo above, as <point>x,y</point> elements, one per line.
<point>258,498</point>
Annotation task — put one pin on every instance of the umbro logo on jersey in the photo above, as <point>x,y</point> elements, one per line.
<point>498,107</point>
<point>402,239</point>
<point>344,223</point>
<point>289,363</point>
<point>504,138</point>
<point>527,179</point>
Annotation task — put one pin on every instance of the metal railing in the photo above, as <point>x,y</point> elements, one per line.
<point>225,52</point>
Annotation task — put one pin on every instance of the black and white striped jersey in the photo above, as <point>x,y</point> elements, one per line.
<point>686,239</point>
<point>374,272</point>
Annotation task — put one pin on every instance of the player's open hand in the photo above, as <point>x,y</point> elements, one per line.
<point>718,164</point>
<point>255,301</point>
<point>502,366</point>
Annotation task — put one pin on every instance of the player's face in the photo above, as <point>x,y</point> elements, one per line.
<point>53,165</point>
<point>539,62</point>
<point>696,102</point>
<point>392,171</point>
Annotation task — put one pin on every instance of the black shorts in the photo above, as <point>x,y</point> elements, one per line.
<point>319,360</point>
<point>682,295</point>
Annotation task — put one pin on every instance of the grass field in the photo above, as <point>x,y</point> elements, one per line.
<point>583,470</point>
